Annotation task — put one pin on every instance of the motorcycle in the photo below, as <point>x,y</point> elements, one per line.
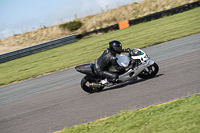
<point>141,66</point>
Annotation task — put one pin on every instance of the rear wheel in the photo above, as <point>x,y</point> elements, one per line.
<point>85,85</point>
<point>153,70</point>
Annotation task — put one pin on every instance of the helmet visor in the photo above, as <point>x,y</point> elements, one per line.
<point>118,49</point>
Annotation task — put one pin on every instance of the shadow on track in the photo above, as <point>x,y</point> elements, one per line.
<point>128,83</point>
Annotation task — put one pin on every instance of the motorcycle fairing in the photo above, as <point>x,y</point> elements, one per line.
<point>122,60</point>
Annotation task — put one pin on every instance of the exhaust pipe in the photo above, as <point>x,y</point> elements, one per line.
<point>95,85</point>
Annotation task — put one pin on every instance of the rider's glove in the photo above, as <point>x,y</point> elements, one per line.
<point>128,49</point>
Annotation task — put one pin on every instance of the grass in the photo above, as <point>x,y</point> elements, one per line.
<point>182,116</point>
<point>88,49</point>
<point>91,22</point>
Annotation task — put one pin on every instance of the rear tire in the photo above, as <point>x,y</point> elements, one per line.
<point>85,85</point>
<point>153,70</point>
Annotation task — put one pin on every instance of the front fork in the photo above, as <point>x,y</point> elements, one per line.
<point>149,63</point>
<point>146,69</point>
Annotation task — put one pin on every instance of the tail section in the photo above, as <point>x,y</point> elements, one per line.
<point>86,69</point>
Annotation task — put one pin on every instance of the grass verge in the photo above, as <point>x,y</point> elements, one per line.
<point>181,116</point>
<point>88,49</point>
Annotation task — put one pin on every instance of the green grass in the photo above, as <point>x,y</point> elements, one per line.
<point>182,116</point>
<point>88,49</point>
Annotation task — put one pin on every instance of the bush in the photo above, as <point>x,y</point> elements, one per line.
<point>72,26</point>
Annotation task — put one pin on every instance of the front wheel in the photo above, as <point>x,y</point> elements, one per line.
<point>85,85</point>
<point>153,70</point>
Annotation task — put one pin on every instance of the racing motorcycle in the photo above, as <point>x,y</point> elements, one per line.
<point>141,66</point>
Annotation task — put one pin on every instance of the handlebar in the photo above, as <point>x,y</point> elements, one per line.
<point>135,52</point>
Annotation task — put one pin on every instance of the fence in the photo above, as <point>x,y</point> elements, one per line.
<point>69,39</point>
<point>36,48</point>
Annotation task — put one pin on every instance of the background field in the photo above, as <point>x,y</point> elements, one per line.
<point>93,22</point>
<point>88,49</point>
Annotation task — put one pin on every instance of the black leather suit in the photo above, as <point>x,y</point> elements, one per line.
<point>102,64</point>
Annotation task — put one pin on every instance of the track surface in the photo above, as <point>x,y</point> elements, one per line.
<point>52,102</point>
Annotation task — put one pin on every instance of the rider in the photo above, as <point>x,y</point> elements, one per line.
<point>107,59</point>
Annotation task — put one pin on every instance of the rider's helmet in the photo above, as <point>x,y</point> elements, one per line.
<point>115,46</point>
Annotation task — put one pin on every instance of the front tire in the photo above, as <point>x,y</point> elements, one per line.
<point>153,70</point>
<point>85,85</point>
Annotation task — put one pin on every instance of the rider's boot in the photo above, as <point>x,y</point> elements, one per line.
<point>107,82</point>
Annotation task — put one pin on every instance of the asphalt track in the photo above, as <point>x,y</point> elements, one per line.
<point>52,102</point>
